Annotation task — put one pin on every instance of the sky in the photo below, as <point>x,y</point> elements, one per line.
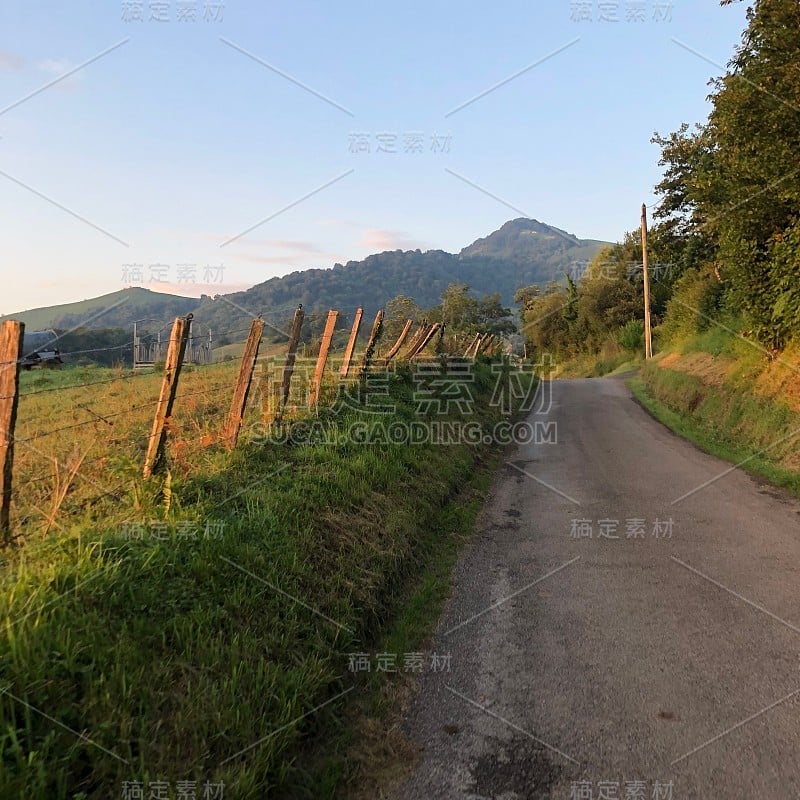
<point>203,147</point>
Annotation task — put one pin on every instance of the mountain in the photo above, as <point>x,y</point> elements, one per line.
<point>115,310</point>
<point>529,243</point>
<point>522,252</point>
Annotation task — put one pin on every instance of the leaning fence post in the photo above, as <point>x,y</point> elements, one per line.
<point>242,389</point>
<point>423,343</point>
<point>169,386</point>
<point>288,367</point>
<point>351,342</point>
<point>399,343</point>
<point>325,346</point>
<point>486,344</point>
<point>377,329</point>
<point>11,336</point>
<point>482,338</point>
<point>418,334</point>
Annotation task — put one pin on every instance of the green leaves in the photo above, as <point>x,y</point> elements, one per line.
<point>734,183</point>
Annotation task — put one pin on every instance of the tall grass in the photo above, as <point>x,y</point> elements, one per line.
<point>212,642</point>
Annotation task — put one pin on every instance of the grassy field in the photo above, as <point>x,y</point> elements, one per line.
<point>199,627</point>
<point>730,399</point>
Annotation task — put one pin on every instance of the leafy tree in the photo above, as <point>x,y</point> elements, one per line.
<point>732,185</point>
<point>398,310</point>
<point>492,317</point>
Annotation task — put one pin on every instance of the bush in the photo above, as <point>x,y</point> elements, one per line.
<point>631,335</point>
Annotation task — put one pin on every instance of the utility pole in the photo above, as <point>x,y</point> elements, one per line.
<point>648,334</point>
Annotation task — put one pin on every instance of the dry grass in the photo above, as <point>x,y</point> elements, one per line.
<point>77,446</point>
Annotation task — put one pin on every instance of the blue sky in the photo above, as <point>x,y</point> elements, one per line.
<point>186,132</point>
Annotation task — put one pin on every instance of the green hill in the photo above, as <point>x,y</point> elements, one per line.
<point>115,310</point>
<point>522,252</point>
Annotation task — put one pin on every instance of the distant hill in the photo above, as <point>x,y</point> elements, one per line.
<point>115,310</point>
<point>522,252</point>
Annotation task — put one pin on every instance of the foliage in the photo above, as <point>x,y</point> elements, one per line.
<point>582,317</point>
<point>398,311</point>
<point>731,189</point>
<point>631,335</point>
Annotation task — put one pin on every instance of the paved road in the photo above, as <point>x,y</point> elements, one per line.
<point>643,666</point>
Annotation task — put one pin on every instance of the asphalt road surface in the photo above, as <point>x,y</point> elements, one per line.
<point>663,663</point>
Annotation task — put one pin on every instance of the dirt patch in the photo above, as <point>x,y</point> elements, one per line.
<point>520,768</point>
<point>712,370</point>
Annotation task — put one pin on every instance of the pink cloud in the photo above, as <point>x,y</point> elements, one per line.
<point>378,239</point>
<point>9,60</point>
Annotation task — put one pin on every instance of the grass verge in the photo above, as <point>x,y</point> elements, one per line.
<point>757,434</point>
<point>207,638</point>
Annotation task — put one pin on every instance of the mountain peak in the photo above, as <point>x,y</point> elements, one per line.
<point>521,239</point>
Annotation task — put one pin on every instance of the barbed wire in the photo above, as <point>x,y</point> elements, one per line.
<point>104,417</point>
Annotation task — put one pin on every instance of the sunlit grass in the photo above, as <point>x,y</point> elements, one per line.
<point>189,627</point>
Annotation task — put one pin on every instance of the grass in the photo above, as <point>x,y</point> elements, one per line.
<point>199,627</point>
<point>729,421</point>
<point>596,366</point>
<point>377,754</point>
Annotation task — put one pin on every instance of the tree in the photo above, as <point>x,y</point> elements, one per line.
<point>398,310</point>
<point>492,317</point>
<point>459,309</point>
<point>732,186</point>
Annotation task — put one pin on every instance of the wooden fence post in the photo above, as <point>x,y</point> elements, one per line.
<point>11,336</point>
<point>351,342</point>
<point>487,344</point>
<point>648,335</point>
<point>288,367</point>
<point>242,389</point>
<point>415,339</point>
<point>472,344</point>
<point>482,338</point>
<point>423,343</point>
<point>169,386</point>
<point>325,346</point>
<point>399,343</point>
<point>377,329</point>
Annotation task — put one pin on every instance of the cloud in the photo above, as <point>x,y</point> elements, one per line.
<point>379,239</point>
<point>298,253</point>
<point>9,60</point>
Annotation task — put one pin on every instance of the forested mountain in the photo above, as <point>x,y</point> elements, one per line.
<point>522,252</point>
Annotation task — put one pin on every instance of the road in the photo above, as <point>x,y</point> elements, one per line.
<point>661,665</point>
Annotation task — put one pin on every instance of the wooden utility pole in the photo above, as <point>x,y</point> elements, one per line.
<point>11,336</point>
<point>169,386</point>
<point>242,388</point>
<point>399,343</point>
<point>288,367</point>
<point>325,346</point>
<point>351,342</point>
<point>377,328</point>
<point>648,334</point>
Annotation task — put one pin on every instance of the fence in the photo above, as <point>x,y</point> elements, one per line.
<point>216,418</point>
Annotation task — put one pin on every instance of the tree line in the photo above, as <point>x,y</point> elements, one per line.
<point>725,247</point>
